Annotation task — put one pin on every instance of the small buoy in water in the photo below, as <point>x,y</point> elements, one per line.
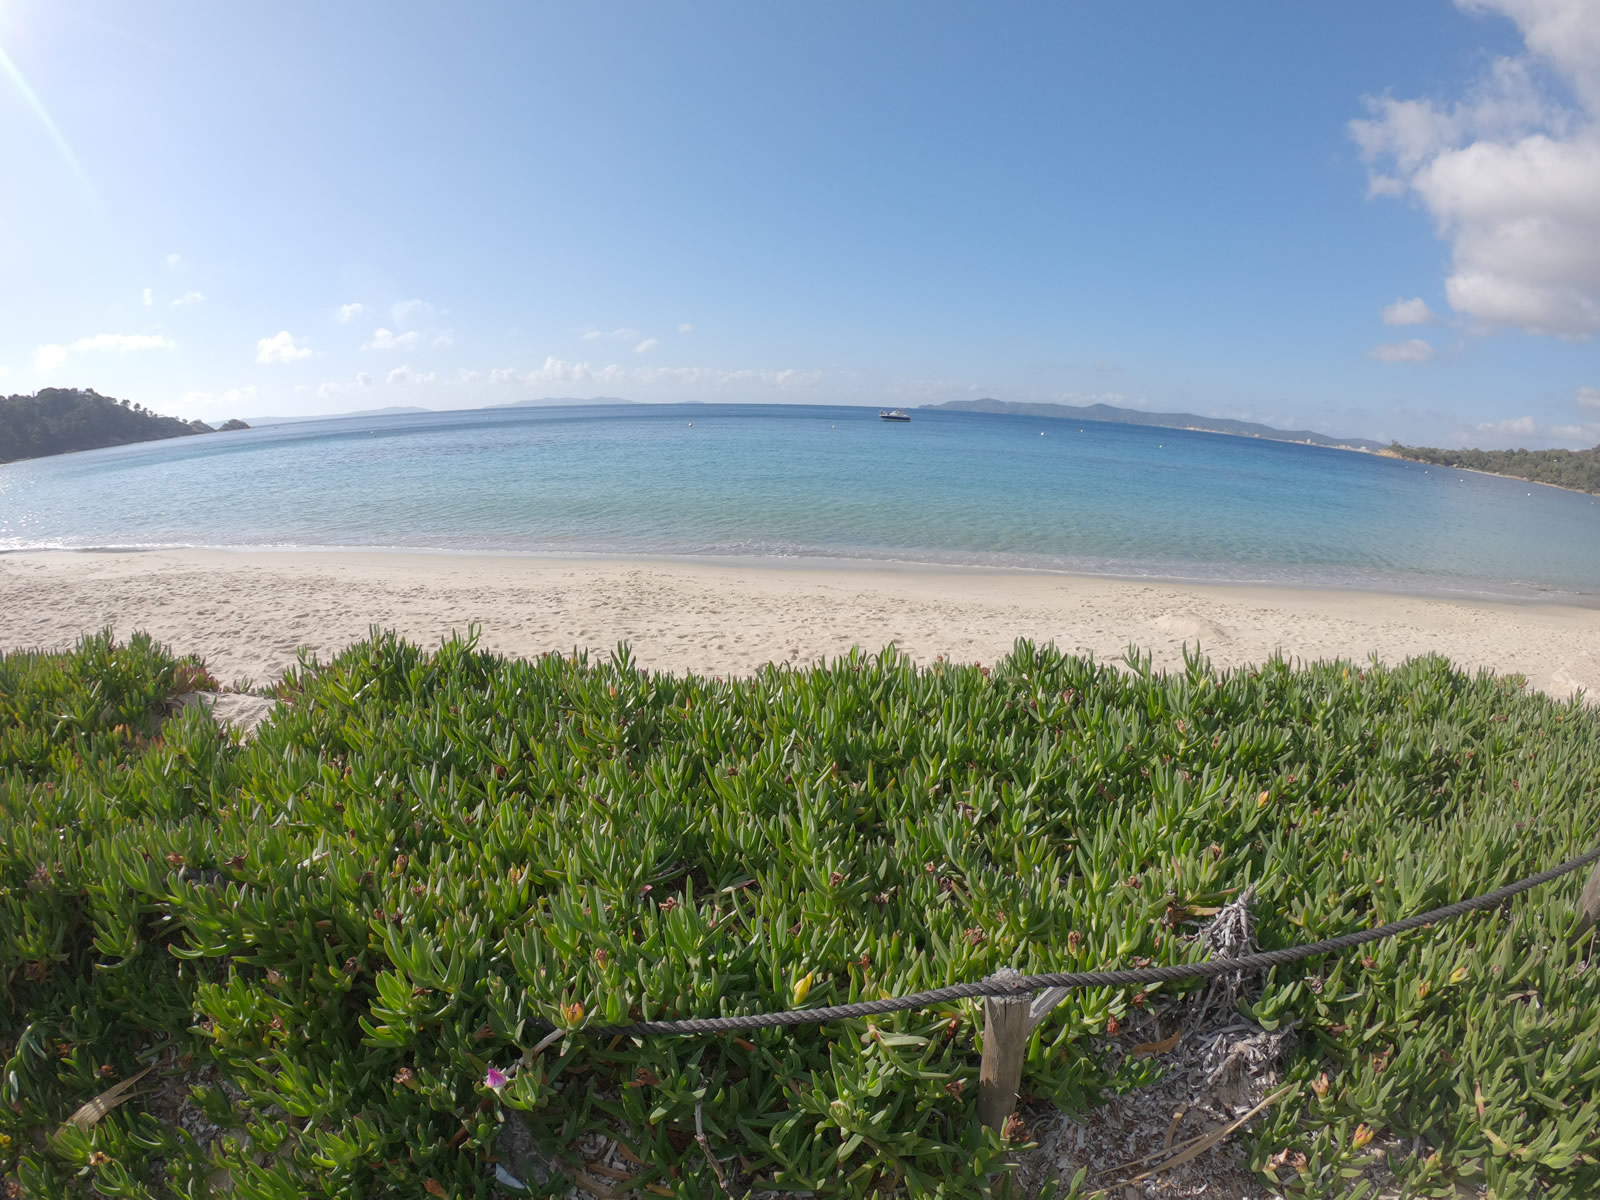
<point>1041,433</point>
<point>691,424</point>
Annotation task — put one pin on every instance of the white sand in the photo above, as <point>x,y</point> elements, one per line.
<point>248,612</point>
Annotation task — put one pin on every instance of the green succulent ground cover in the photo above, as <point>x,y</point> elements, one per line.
<point>424,856</point>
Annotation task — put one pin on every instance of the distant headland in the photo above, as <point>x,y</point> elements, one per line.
<point>1133,416</point>
<point>61,420</point>
<point>1576,470</point>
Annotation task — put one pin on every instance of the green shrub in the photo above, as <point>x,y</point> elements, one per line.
<point>334,931</point>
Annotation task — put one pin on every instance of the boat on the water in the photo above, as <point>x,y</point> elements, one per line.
<point>892,414</point>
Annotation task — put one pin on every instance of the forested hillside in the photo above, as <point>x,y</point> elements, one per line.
<point>1578,469</point>
<point>59,420</point>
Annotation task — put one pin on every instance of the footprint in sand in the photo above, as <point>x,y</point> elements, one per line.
<point>1191,626</point>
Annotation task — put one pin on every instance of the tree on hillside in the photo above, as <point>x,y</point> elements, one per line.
<point>1576,469</point>
<point>59,420</point>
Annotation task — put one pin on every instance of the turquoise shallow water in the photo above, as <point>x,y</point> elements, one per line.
<point>771,481</point>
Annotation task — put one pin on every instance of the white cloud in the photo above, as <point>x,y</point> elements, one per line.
<point>1522,425</point>
<point>444,338</point>
<point>147,297</point>
<point>403,376</point>
<point>1414,350</point>
<point>1408,312</point>
<point>49,357</point>
<point>787,380</point>
<point>338,386</point>
<point>559,371</point>
<point>1589,397</point>
<point>408,311</point>
<point>1566,33</point>
<point>611,335</point>
<point>1588,434</point>
<point>1509,173</point>
<point>556,370</point>
<point>647,345</point>
<point>173,260</point>
<point>384,339</point>
<point>280,348</point>
<point>361,382</point>
<point>1526,431</point>
<point>188,298</point>
<point>685,327</point>
<point>122,342</point>
<point>348,312</point>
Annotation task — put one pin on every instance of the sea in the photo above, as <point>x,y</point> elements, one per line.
<point>781,484</point>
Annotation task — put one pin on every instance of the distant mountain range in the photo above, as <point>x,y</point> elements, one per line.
<point>1133,416</point>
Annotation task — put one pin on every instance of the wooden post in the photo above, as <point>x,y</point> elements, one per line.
<point>1589,903</point>
<point>1005,1042</point>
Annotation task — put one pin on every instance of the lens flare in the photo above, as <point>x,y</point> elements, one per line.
<point>32,97</point>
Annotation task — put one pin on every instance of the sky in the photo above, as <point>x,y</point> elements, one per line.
<point>1368,218</point>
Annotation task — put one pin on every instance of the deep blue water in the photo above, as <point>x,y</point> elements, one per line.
<point>768,481</point>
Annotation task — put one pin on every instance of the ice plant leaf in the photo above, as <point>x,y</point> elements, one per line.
<point>447,849</point>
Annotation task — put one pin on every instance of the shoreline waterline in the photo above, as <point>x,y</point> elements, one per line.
<point>249,612</point>
<point>1349,580</point>
<point>754,483</point>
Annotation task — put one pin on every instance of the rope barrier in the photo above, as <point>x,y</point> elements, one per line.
<point>1013,985</point>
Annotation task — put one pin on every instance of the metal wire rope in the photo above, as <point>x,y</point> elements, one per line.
<point>1019,984</point>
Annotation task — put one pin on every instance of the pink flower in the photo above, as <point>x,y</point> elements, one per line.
<point>495,1079</point>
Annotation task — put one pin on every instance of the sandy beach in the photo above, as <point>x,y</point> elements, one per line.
<point>248,613</point>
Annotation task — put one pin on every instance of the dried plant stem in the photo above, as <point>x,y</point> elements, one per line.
<point>705,1147</point>
<point>1200,1145</point>
<point>88,1114</point>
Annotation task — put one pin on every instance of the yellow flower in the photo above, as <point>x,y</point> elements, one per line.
<point>1458,975</point>
<point>572,1013</point>
<point>1361,1136</point>
<point>802,988</point>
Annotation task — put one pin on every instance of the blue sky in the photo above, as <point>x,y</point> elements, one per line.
<point>1370,218</point>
